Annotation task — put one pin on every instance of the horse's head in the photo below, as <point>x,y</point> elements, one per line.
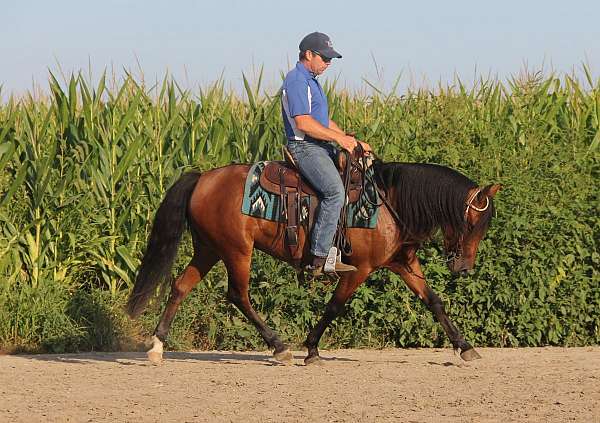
<point>461,244</point>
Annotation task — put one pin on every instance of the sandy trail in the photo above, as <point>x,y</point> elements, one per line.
<point>408,385</point>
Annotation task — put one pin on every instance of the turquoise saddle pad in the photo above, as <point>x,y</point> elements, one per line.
<point>265,205</point>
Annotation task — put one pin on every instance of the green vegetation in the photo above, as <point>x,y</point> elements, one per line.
<point>85,169</point>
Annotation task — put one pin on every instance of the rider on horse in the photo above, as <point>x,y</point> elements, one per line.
<point>311,139</point>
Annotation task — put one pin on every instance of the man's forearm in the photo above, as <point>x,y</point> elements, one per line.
<point>333,126</point>
<point>314,129</point>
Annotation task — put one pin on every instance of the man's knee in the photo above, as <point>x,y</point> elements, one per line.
<point>335,193</point>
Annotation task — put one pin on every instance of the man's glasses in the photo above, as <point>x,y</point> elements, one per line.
<point>325,59</point>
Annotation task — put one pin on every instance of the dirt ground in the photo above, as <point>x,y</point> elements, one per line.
<point>404,385</point>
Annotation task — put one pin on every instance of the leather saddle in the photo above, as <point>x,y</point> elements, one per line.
<point>284,179</point>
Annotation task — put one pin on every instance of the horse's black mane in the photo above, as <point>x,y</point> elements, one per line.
<point>425,196</point>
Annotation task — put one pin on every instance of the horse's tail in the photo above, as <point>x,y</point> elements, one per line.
<point>167,229</point>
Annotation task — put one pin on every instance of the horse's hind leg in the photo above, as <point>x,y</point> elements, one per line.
<point>238,272</point>
<point>192,274</point>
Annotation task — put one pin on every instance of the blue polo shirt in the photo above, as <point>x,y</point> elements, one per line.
<point>302,95</point>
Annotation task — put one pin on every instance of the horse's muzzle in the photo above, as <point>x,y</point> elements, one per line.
<point>461,266</point>
<point>466,272</point>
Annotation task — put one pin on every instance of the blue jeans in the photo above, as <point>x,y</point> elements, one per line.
<point>315,161</point>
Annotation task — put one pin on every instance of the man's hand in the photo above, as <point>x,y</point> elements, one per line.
<point>347,142</point>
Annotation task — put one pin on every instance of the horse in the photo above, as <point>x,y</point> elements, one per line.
<point>420,200</point>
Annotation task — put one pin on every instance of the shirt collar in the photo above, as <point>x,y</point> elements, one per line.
<point>304,70</point>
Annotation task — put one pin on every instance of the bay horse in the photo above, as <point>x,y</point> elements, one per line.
<point>420,200</point>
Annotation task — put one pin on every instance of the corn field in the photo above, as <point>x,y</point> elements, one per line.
<point>85,167</point>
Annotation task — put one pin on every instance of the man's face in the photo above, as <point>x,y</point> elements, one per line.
<point>316,64</point>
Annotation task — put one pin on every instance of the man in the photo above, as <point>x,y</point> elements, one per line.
<point>312,141</point>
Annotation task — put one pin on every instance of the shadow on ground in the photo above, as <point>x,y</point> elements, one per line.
<point>139,358</point>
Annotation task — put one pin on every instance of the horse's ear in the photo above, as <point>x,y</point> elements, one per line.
<point>491,190</point>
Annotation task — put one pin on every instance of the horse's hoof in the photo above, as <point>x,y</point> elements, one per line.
<point>156,353</point>
<point>470,355</point>
<point>284,356</point>
<point>313,360</point>
<point>155,357</point>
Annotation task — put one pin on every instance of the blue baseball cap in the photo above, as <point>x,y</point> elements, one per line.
<point>319,43</point>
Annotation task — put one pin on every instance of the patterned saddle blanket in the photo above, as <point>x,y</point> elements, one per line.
<point>261,202</point>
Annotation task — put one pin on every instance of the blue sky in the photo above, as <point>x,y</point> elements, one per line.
<point>422,42</point>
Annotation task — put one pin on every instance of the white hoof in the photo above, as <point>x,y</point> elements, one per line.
<point>155,354</point>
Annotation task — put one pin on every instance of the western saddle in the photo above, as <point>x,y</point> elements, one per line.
<point>284,179</point>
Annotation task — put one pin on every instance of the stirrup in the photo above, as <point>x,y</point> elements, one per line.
<point>333,263</point>
<point>333,257</point>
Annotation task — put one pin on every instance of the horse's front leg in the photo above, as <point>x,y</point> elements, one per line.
<point>344,290</point>
<point>413,276</point>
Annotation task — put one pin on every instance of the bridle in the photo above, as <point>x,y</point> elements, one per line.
<point>456,254</point>
<point>471,206</point>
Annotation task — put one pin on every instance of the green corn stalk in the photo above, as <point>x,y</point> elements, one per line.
<point>85,168</point>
